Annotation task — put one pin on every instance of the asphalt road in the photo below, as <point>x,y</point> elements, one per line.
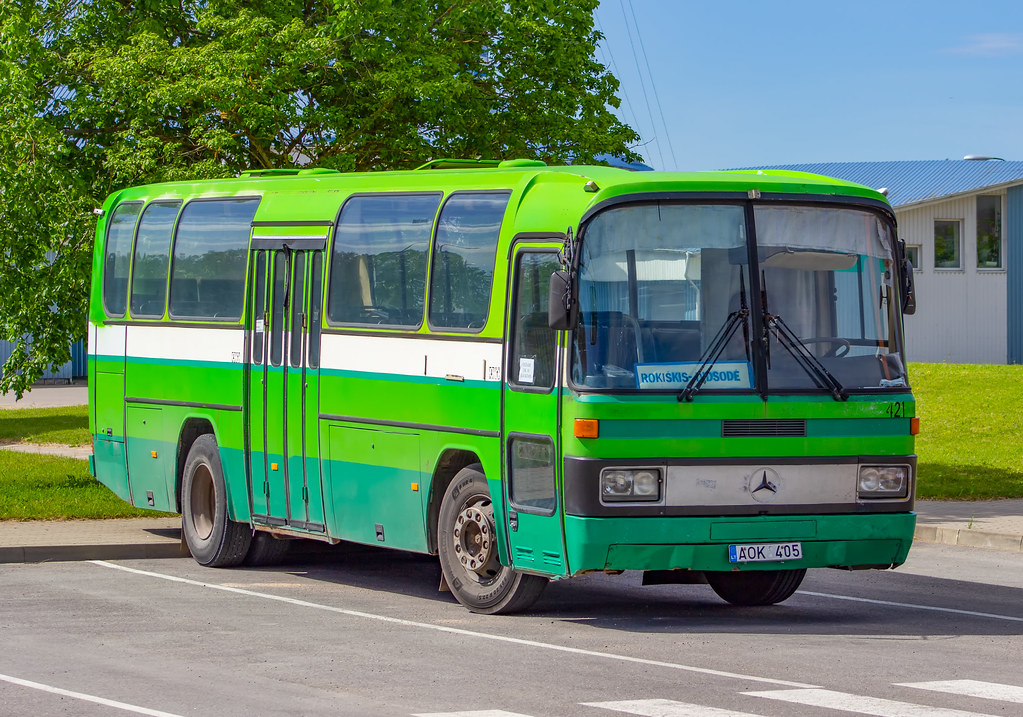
<point>364,632</point>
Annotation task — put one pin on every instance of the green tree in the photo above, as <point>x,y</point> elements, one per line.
<point>103,94</point>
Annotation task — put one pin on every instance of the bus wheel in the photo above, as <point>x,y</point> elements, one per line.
<point>212,539</point>
<point>266,550</point>
<point>755,587</point>
<point>467,543</point>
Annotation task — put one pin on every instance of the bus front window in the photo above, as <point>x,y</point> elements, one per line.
<point>828,277</point>
<point>657,282</point>
<point>665,288</point>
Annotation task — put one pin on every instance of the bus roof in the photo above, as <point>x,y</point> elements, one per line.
<point>600,182</point>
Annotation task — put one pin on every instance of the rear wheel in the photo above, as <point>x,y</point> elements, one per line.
<point>467,543</point>
<point>212,539</point>
<point>756,587</point>
<point>266,550</point>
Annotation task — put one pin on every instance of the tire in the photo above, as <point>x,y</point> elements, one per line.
<point>756,587</point>
<point>266,550</point>
<point>212,539</point>
<point>467,544</point>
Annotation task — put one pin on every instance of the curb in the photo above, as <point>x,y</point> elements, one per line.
<point>965,537</point>
<point>61,553</point>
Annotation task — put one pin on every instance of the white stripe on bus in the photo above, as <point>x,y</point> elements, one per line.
<point>453,630</point>
<point>184,343</point>
<point>109,341</point>
<point>666,708</point>
<point>436,358</point>
<point>971,688</point>
<point>87,698</point>
<point>846,702</point>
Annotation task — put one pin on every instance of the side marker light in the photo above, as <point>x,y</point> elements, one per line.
<point>914,426</point>
<point>586,428</point>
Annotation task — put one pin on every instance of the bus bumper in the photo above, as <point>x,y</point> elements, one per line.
<point>836,541</point>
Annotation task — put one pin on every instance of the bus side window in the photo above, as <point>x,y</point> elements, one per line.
<point>152,259</point>
<point>210,252</point>
<point>259,309</point>
<point>462,269</point>
<point>315,310</point>
<point>276,328</point>
<point>533,340</point>
<point>120,231</point>
<point>378,266</point>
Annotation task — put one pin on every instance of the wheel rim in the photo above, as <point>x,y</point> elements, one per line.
<point>203,502</point>
<point>473,538</point>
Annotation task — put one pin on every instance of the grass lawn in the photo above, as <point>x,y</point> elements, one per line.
<point>971,422</point>
<point>68,426</point>
<point>37,487</point>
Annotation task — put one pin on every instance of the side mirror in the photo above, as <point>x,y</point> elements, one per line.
<point>905,271</point>
<point>908,292</point>
<point>562,307</point>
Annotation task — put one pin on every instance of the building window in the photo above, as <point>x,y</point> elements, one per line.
<point>913,252</point>
<point>947,244</point>
<point>989,232</point>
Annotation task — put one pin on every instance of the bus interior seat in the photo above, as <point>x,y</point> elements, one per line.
<point>613,346</point>
<point>672,343</point>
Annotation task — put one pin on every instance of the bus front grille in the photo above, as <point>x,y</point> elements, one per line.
<point>735,428</point>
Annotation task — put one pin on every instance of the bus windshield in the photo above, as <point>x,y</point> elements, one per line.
<point>666,288</point>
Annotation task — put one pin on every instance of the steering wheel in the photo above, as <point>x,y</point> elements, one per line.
<point>834,352</point>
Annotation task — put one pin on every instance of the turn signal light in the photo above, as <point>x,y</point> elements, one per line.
<point>587,428</point>
<point>914,426</point>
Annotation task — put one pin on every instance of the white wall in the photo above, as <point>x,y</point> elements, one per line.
<point>961,314</point>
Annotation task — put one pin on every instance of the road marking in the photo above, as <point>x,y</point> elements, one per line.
<point>913,606</point>
<point>666,708</point>
<point>846,702</point>
<point>454,630</point>
<point>971,688</point>
<point>87,698</point>
<point>477,713</point>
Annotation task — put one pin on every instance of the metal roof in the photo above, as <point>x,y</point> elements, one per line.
<point>918,181</point>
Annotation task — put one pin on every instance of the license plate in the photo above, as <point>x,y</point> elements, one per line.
<point>764,552</point>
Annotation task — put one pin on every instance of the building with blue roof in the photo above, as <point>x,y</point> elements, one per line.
<point>962,221</point>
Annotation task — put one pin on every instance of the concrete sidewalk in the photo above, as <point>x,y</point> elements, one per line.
<point>49,395</point>
<point>995,525</point>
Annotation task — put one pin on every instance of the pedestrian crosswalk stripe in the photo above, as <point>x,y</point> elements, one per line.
<point>476,713</point>
<point>971,688</point>
<point>861,705</point>
<point>666,708</point>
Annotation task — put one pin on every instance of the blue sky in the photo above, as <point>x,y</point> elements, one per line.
<point>742,83</point>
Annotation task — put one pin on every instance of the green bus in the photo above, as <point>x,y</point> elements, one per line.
<point>533,372</point>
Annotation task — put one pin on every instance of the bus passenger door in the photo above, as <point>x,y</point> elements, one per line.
<point>533,498</point>
<point>284,383</point>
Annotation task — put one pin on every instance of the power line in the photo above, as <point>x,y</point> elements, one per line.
<point>642,82</point>
<point>605,47</point>
<point>650,74</point>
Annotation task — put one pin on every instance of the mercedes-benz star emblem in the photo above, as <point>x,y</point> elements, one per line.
<point>764,485</point>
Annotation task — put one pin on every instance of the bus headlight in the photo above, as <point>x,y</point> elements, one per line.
<point>630,485</point>
<point>883,481</point>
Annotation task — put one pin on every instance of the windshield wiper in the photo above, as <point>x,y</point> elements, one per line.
<point>804,358</point>
<point>717,346</point>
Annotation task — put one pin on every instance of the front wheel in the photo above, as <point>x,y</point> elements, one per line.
<point>212,538</point>
<point>467,544</point>
<point>756,587</point>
